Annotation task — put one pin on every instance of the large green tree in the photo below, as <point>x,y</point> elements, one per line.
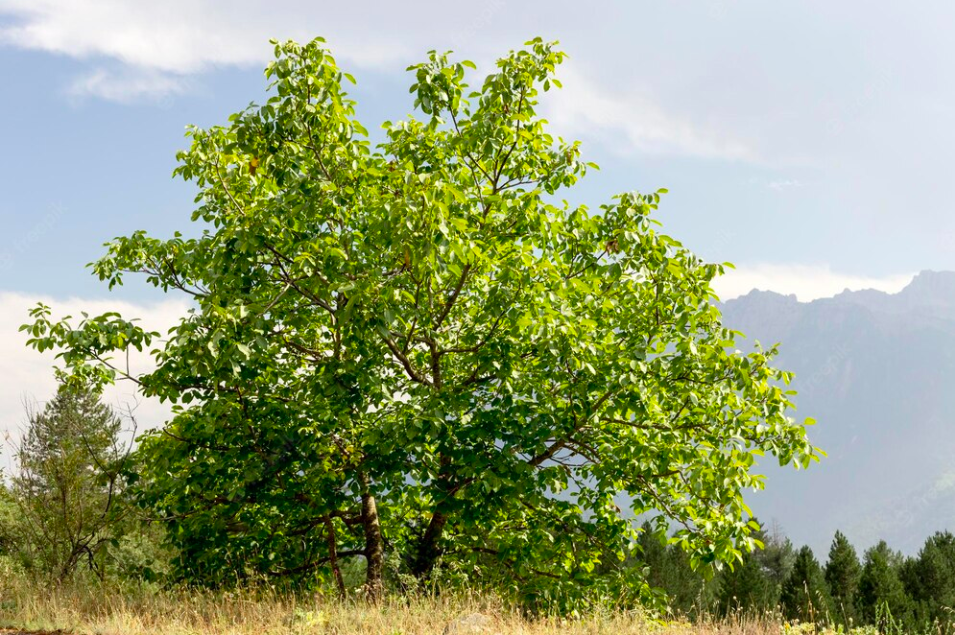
<point>418,345</point>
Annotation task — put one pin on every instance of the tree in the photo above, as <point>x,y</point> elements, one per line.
<point>842,574</point>
<point>668,570</point>
<point>804,595</point>
<point>69,464</point>
<point>929,579</point>
<point>776,557</point>
<point>414,341</point>
<point>750,585</point>
<point>11,523</point>
<point>881,594</point>
<point>745,588</point>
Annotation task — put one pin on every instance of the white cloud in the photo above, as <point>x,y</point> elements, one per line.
<point>633,122</point>
<point>806,282</point>
<point>160,42</point>
<point>28,375</point>
<point>784,184</point>
<point>172,36</point>
<point>128,86</point>
<point>159,45</point>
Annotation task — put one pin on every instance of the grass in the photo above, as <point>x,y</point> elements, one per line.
<point>93,609</point>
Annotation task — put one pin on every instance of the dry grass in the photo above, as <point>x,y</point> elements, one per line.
<point>90,610</point>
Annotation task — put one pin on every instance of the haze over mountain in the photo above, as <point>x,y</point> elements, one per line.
<point>877,371</point>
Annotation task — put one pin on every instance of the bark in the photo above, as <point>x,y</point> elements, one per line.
<point>374,547</point>
<point>333,557</point>
<point>429,549</point>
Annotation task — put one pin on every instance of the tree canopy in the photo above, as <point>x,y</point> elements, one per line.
<point>418,347</point>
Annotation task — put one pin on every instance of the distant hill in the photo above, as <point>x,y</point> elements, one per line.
<point>877,371</point>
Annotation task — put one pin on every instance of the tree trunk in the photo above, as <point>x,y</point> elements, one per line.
<point>71,562</point>
<point>333,557</point>
<point>374,548</point>
<point>429,549</point>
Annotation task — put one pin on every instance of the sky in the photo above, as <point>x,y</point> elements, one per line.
<point>808,142</point>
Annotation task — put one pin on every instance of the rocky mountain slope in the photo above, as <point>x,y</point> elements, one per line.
<point>877,371</point>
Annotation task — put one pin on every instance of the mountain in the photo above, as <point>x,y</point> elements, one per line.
<point>877,372</point>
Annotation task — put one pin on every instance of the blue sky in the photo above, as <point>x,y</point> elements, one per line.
<point>809,142</point>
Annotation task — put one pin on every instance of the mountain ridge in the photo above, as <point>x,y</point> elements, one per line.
<point>874,369</point>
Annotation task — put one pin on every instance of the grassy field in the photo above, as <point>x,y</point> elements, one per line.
<point>92,610</point>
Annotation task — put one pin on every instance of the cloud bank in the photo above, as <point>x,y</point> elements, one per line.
<point>633,122</point>
<point>806,282</point>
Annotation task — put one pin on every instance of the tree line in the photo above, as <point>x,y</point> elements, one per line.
<point>880,587</point>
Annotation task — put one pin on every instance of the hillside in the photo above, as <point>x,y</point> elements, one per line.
<point>877,372</point>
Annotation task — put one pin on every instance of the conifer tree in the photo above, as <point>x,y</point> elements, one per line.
<point>804,594</point>
<point>745,588</point>
<point>750,587</point>
<point>881,594</point>
<point>930,579</point>
<point>842,574</point>
<point>668,570</point>
<point>776,557</point>
<point>67,482</point>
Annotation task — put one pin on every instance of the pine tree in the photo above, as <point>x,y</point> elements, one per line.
<point>691,594</point>
<point>669,570</point>
<point>68,482</point>
<point>745,588</point>
<point>881,593</point>
<point>930,579</point>
<point>842,574</point>
<point>652,552</point>
<point>776,558</point>
<point>804,594</point>
<point>749,587</point>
